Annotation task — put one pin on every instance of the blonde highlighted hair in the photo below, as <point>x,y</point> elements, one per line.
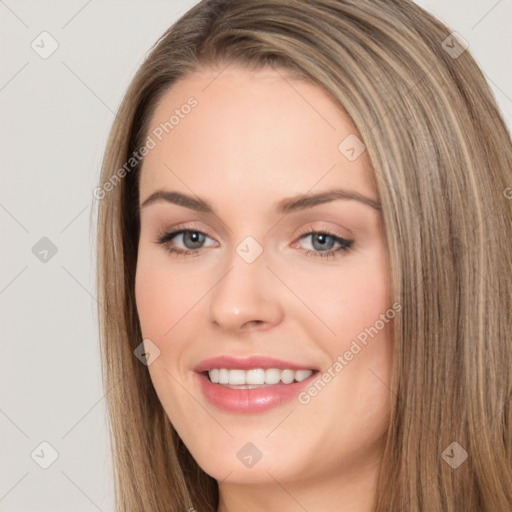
<point>442,160</point>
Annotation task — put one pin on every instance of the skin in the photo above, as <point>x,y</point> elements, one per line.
<point>255,138</point>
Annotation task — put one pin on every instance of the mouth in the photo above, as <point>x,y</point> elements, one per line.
<point>251,385</point>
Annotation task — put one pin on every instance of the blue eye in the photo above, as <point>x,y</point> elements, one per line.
<point>191,236</point>
<point>321,240</point>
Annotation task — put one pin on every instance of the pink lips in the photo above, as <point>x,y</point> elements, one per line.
<point>246,363</point>
<point>249,401</point>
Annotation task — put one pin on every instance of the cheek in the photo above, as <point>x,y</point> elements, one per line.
<point>349,299</point>
<point>355,303</point>
<point>162,296</point>
<point>163,300</point>
<point>151,294</point>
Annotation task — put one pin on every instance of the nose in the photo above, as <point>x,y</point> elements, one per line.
<point>246,296</point>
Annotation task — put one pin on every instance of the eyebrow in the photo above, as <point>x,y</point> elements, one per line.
<point>284,206</point>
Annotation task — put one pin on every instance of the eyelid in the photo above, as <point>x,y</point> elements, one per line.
<point>324,228</point>
<point>185,227</point>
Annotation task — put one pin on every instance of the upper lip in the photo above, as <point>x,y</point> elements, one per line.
<point>247,363</point>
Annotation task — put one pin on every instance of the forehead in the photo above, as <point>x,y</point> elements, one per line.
<point>260,133</point>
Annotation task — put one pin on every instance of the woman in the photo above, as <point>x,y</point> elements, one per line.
<point>256,375</point>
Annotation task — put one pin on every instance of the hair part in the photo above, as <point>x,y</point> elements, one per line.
<point>441,157</point>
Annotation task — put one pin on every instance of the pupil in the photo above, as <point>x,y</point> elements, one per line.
<point>195,237</point>
<point>321,238</point>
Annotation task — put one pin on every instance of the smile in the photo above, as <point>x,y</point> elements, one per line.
<point>252,384</point>
<point>256,377</point>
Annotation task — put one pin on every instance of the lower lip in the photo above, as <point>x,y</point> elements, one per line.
<point>250,401</point>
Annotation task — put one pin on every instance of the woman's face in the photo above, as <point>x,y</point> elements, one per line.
<point>257,296</point>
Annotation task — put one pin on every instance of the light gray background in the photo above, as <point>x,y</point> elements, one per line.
<point>56,114</point>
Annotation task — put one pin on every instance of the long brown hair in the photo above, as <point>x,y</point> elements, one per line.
<point>442,160</point>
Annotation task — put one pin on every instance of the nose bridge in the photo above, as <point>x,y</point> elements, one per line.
<point>247,292</point>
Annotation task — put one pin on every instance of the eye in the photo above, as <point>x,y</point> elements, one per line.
<point>193,240</point>
<point>322,243</point>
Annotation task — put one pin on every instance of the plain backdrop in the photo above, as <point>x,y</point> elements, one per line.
<point>55,116</point>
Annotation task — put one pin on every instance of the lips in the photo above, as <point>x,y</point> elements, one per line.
<point>248,363</point>
<point>250,399</point>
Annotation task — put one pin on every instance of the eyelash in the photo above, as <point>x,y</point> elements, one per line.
<point>345,245</point>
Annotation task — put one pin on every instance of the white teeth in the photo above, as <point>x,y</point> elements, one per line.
<point>302,374</point>
<point>287,376</point>
<point>272,376</point>
<point>223,376</point>
<point>257,376</point>
<point>236,377</point>
<point>214,375</point>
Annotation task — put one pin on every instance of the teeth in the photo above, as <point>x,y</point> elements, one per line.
<point>214,375</point>
<point>302,374</point>
<point>272,376</point>
<point>256,376</point>
<point>287,376</point>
